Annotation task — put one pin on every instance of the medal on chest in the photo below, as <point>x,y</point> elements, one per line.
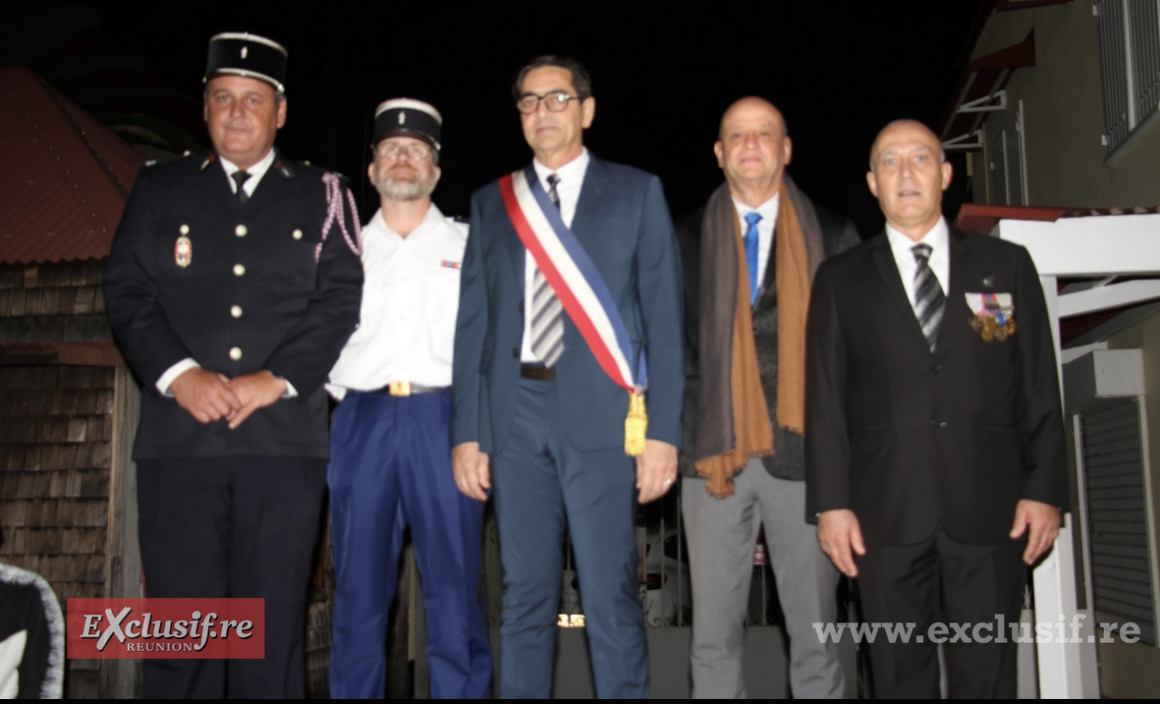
<point>183,248</point>
<point>994,317</point>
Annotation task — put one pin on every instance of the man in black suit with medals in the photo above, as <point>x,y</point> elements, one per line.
<point>232,285</point>
<point>934,459</point>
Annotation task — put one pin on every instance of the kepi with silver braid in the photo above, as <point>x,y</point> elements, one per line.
<point>247,55</point>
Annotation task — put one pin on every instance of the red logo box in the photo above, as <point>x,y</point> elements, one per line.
<point>167,628</point>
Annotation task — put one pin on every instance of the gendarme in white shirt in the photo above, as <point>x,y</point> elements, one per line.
<point>409,305</point>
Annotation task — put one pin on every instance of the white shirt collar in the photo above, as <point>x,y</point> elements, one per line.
<point>572,172</point>
<point>433,218</point>
<point>256,172</point>
<point>767,210</point>
<point>902,249</point>
<point>938,238</point>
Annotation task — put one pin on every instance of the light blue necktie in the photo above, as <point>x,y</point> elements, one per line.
<point>751,241</point>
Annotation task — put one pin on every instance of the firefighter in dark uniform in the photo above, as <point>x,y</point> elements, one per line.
<point>233,284</point>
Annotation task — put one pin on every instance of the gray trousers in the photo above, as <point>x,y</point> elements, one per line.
<point>721,534</point>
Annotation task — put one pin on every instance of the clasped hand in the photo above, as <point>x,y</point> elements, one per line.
<point>209,396</point>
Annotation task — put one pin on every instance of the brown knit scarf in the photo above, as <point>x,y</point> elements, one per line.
<point>734,422</point>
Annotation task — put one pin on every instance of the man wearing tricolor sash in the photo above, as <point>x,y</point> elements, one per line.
<point>569,330</point>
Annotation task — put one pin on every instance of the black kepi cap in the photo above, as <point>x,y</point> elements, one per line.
<point>248,55</point>
<point>404,117</point>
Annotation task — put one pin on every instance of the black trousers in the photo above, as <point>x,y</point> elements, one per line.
<point>981,587</point>
<point>239,527</point>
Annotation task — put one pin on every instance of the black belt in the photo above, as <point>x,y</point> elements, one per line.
<point>538,372</point>
<point>406,388</point>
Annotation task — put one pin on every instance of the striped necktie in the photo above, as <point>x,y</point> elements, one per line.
<point>547,311</point>
<point>928,295</point>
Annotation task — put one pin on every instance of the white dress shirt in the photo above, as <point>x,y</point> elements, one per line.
<point>568,189</point>
<point>765,228</point>
<point>940,259</point>
<point>257,171</point>
<point>409,305</point>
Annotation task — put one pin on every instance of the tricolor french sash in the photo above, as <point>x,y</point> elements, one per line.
<point>579,286</point>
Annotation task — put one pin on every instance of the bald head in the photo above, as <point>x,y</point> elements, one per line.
<point>752,149</point>
<point>905,124</point>
<point>908,175</point>
<point>752,104</point>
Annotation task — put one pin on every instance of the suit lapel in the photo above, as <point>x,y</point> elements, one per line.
<point>960,273</point>
<point>591,198</point>
<point>516,248</point>
<point>768,285</point>
<point>518,254</point>
<point>212,182</point>
<point>883,258</point>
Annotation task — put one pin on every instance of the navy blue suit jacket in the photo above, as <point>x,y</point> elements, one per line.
<point>623,224</point>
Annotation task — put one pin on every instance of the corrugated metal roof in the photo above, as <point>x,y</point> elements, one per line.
<point>65,177</point>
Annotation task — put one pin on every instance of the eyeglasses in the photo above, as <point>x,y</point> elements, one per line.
<point>414,151</point>
<point>556,101</point>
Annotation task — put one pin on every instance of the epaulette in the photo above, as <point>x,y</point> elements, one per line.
<point>283,167</point>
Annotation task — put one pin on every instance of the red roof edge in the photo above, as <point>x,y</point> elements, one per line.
<point>1018,55</point>
<point>982,218</point>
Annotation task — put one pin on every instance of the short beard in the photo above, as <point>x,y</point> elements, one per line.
<point>400,190</point>
<point>392,189</point>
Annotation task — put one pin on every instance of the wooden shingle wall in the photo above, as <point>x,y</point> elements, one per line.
<point>67,506</point>
<point>52,303</point>
<point>56,429</point>
<point>55,460</point>
<point>55,456</point>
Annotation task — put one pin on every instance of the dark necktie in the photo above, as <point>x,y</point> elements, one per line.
<point>751,254</point>
<point>928,295</point>
<point>547,311</point>
<point>240,177</point>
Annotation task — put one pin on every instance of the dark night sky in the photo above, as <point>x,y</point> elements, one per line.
<point>838,69</point>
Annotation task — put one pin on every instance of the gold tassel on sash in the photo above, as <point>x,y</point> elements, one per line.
<point>635,425</point>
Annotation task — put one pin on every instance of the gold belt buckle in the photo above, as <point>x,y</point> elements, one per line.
<point>400,388</point>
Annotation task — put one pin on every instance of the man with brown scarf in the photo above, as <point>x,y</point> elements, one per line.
<point>749,260</point>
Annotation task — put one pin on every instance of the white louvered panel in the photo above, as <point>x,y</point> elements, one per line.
<point>1144,29</point>
<point>1121,559</point>
<point>1114,73</point>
